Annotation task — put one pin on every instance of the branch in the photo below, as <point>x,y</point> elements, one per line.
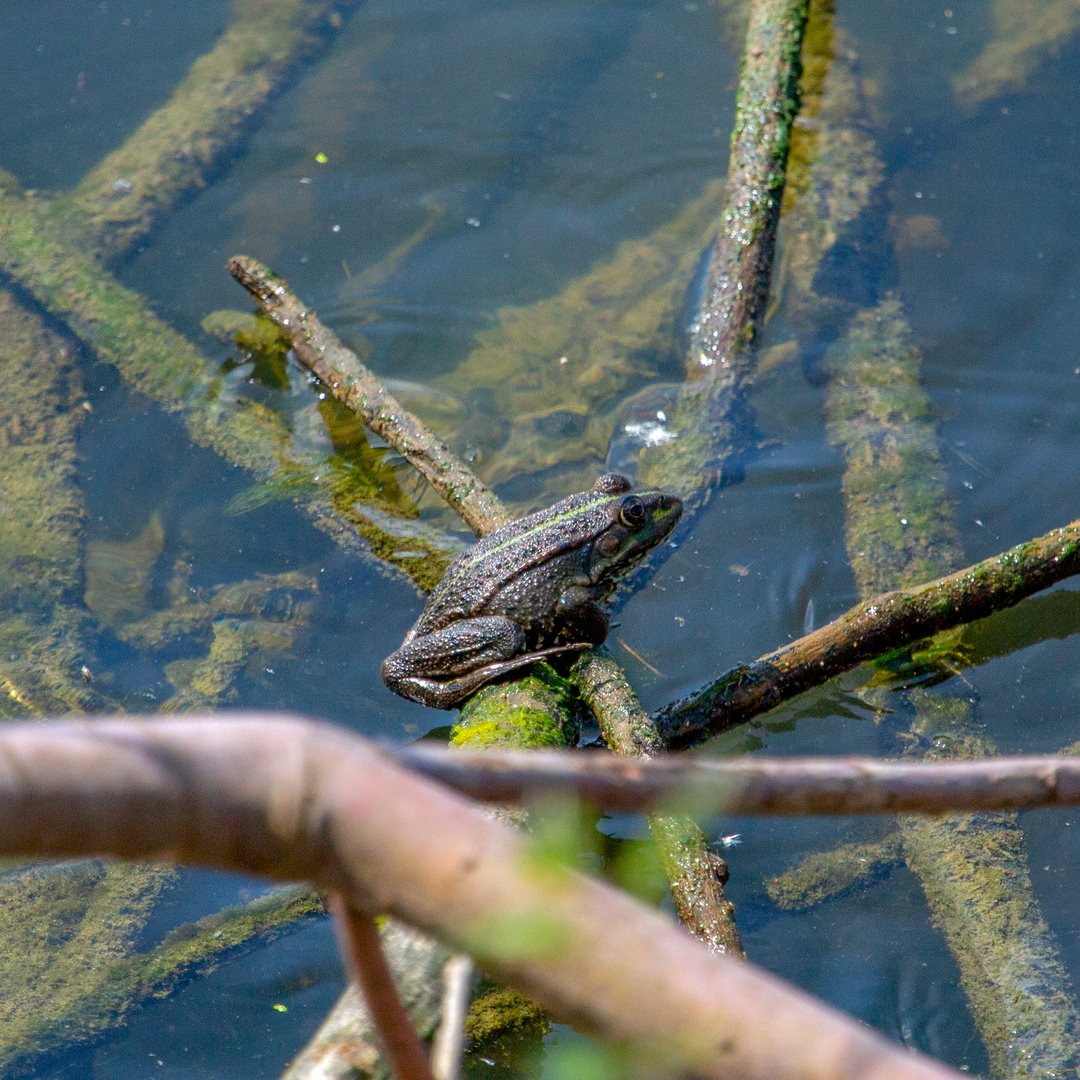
<point>291,800</point>
<point>321,352</point>
<point>369,970</point>
<point>449,1042</point>
<point>693,871</point>
<point>877,626</point>
<point>698,892</point>
<point>755,786</point>
<point>737,287</point>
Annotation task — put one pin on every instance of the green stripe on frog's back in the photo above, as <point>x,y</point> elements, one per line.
<point>478,574</point>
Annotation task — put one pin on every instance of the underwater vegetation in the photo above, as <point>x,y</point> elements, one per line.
<point>545,393</point>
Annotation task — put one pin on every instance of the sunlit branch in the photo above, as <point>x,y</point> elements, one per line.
<point>872,629</point>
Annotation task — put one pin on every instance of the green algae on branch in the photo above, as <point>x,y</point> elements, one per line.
<point>899,518</point>
<point>339,369</point>
<point>157,361</point>
<point>176,148</point>
<point>706,416</point>
<point>540,710</point>
<point>973,869</point>
<point>873,628</point>
<point>63,932</point>
<point>824,875</point>
<point>42,627</point>
<point>695,874</point>
<point>87,982</point>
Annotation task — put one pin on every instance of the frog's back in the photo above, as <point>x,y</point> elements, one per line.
<point>476,577</point>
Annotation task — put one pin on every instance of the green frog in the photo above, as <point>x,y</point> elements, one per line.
<point>530,591</point>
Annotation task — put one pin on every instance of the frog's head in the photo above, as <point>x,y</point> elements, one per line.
<point>638,521</point>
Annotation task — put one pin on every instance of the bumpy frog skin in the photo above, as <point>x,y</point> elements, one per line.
<point>529,591</point>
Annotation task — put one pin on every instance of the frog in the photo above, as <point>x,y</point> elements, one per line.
<point>529,591</point>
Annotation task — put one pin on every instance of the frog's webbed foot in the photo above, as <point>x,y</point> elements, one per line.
<point>449,694</point>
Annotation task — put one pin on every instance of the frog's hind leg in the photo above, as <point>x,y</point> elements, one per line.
<point>457,690</point>
<point>444,668</point>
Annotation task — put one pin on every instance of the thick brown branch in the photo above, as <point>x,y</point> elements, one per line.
<point>875,627</point>
<point>321,351</point>
<point>293,800</point>
<point>755,786</point>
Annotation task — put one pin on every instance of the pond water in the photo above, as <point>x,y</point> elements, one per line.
<point>433,164</point>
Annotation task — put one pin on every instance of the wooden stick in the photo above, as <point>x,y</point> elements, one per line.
<point>321,352</point>
<point>366,963</point>
<point>873,628</point>
<point>449,1043</point>
<point>758,786</point>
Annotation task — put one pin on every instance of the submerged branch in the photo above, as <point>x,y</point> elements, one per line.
<point>756,786</point>
<point>292,800</point>
<point>875,627</point>
<point>178,145</point>
<point>321,351</point>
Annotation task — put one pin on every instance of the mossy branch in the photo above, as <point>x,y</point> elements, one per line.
<point>872,629</point>
<point>321,351</point>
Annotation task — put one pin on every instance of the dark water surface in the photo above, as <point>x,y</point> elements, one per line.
<point>530,139</point>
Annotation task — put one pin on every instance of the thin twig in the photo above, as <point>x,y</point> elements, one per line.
<point>449,1043</point>
<point>873,628</point>
<point>289,800</point>
<point>757,786</point>
<point>366,963</point>
<point>321,351</point>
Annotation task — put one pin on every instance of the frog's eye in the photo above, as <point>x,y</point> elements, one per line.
<point>632,512</point>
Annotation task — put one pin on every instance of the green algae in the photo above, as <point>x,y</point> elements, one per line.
<point>178,147</point>
<point>541,710</point>
<point>505,1027</point>
<point>898,518</point>
<point>118,574</point>
<point>825,875</point>
<point>81,977</point>
<point>973,868</point>
<point>62,931</point>
<point>281,597</point>
<point>1026,33</point>
<point>42,626</point>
